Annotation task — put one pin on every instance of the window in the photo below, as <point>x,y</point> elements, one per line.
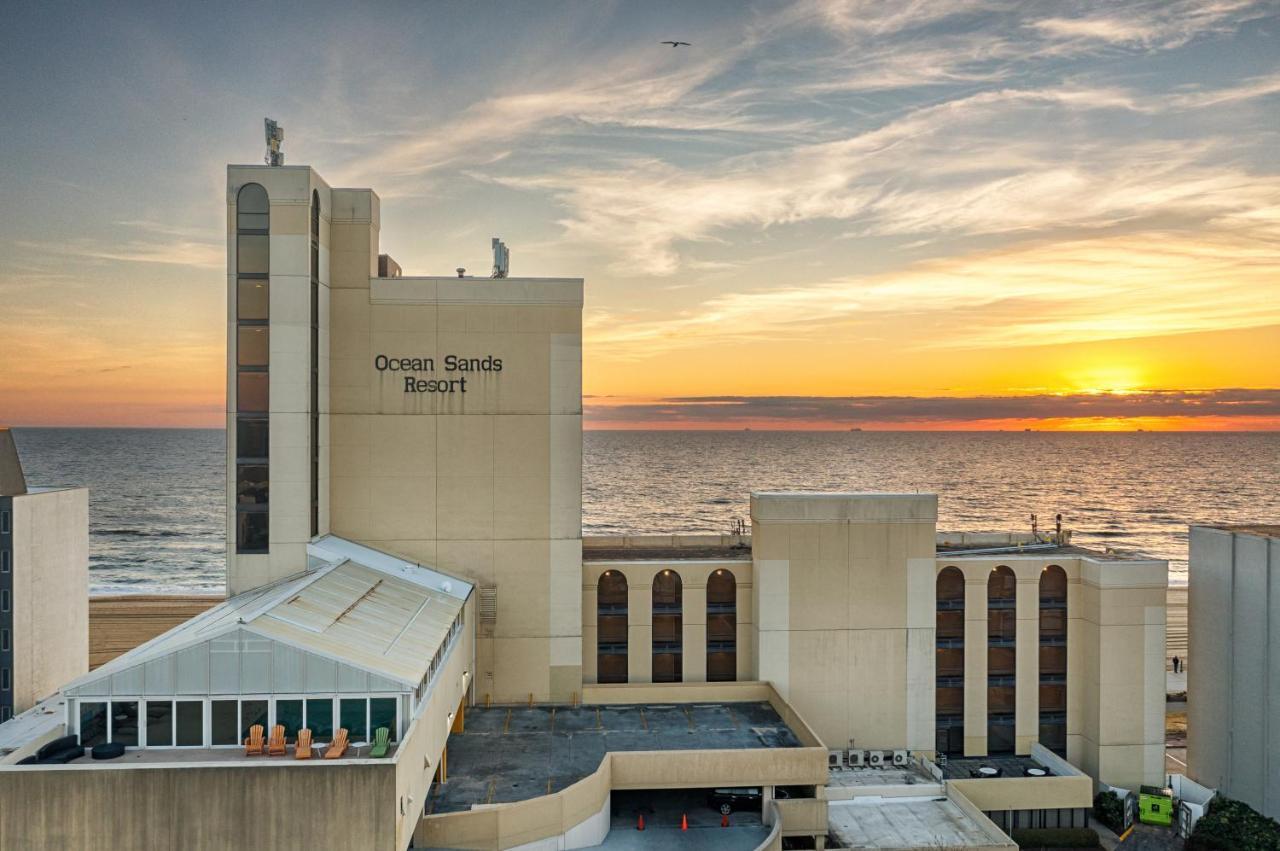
<point>223,722</point>
<point>722,626</point>
<point>1002,594</point>
<point>6,561</point>
<point>289,715</point>
<point>251,439</point>
<point>611,628</point>
<point>124,722</point>
<point>314,408</point>
<point>949,661</point>
<point>4,639</point>
<point>354,715</point>
<point>253,356</point>
<point>189,724</point>
<point>320,719</point>
<point>4,522</point>
<point>5,602</point>
<point>159,724</point>
<point>6,713</point>
<point>93,723</point>
<point>252,712</point>
<point>1053,658</point>
<point>5,685</point>
<point>668,627</point>
<point>252,345</point>
<point>252,303</point>
<point>382,713</point>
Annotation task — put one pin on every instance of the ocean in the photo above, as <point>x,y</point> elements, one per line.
<point>157,520</point>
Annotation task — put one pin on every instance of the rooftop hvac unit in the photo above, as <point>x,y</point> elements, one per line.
<point>875,759</point>
<point>835,761</point>
<point>856,759</point>
<point>901,758</point>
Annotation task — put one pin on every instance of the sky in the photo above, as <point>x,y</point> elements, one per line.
<point>941,214</point>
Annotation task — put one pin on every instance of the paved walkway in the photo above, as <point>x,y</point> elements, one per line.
<point>1149,837</point>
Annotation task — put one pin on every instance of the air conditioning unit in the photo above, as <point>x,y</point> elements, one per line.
<point>875,759</point>
<point>835,760</point>
<point>856,759</point>
<point>901,759</point>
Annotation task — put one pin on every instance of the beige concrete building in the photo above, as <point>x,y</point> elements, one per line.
<point>1233,723</point>
<point>44,585</point>
<point>404,473</point>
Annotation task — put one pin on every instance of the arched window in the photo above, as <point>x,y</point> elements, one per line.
<point>949,695</point>
<point>668,627</point>
<point>253,302</point>
<point>722,626</point>
<point>611,628</point>
<point>314,438</point>
<point>1053,658</point>
<point>1002,633</point>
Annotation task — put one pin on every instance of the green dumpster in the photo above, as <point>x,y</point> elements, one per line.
<point>1155,805</point>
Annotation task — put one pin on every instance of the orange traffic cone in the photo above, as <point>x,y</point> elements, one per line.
<point>684,821</point>
<point>724,820</point>
<point>640,823</point>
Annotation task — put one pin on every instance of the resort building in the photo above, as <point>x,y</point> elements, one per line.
<point>411,603</point>
<point>44,585</point>
<point>1233,725</point>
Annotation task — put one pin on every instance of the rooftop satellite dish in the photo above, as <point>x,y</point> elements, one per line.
<point>275,135</point>
<point>501,259</point>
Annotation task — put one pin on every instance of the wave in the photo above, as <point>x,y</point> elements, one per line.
<point>140,533</point>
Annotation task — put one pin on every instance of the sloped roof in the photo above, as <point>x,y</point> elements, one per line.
<point>353,604</point>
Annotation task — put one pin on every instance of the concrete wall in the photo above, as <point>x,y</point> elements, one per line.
<point>1233,723</point>
<point>844,613</point>
<point>263,805</point>
<point>485,484</point>
<point>50,592</point>
<point>639,575</point>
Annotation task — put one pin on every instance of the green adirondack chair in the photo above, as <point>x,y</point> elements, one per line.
<point>381,740</point>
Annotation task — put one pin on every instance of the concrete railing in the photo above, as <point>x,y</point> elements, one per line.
<point>772,842</point>
<point>650,542</point>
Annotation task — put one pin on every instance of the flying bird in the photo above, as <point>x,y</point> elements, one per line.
<point>675,44</point>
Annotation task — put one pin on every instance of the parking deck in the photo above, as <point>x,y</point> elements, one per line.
<point>515,753</point>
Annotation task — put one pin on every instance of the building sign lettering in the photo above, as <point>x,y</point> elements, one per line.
<point>456,367</point>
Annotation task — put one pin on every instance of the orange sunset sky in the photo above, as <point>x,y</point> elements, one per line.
<point>824,214</point>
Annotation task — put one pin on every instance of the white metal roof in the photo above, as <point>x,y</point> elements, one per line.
<point>353,604</point>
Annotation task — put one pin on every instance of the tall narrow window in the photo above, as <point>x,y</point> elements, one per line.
<point>722,627</point>
<point>315,364</point>
<point>1002,622</point>
<point>668,627</point>
<point>611,628</point>
<point>949,668</point>
<point>253,347</point>
<point>1053,658</point>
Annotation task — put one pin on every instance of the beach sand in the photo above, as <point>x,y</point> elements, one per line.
<point>118,624</point>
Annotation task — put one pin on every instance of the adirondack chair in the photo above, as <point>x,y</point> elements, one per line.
<point>275,745</point>
<point>381,741</point>
<point>303,748</point>
<point>254,744</point>
<point>338,746</point>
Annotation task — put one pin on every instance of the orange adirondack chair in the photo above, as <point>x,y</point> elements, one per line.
<point>275,745</point>
<point>303,748</point>
<point>254,744</point>
<point>338,746</point>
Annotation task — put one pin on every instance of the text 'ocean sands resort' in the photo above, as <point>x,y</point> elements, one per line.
<point>419,648</point>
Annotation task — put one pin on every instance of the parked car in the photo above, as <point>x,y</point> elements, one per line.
<point>730,800</point>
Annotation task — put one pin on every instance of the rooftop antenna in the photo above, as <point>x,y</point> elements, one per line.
<point>501,259</point>
<point>275,135</point>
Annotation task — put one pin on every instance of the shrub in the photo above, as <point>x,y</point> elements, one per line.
<point>1055,837</point>
<point>1234,826</point>
<point>1108,808</point>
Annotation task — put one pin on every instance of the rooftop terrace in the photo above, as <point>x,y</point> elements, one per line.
<point>515,753</point>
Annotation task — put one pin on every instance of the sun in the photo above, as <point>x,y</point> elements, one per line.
<point>1119,379</point>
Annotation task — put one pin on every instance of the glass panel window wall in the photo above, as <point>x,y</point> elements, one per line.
<point>253,299</point>
<point>189,724</point>
<point>124,722</point>
<point>1002,590</point>
<point>611,628</point>
<point>949,667</point>
<point>159,723</point>
<point>93,723</point>
<point>668,627</point>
